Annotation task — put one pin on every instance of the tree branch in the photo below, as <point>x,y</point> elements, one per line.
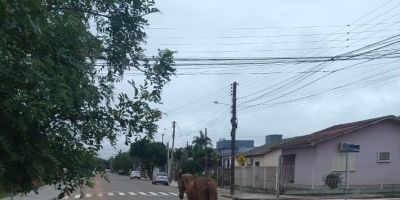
<point>78,10</point>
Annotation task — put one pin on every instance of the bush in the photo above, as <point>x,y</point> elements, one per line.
<point>333,180</point>
<point>191,167</point>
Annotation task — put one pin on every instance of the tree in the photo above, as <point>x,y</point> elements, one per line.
<point>201,141</point>
<point>200,148</point>
<point>59,63</point>
<point>122,161</point>
<point>192,167</point>
<point>149,153</point>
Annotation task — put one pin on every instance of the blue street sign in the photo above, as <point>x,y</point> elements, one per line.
<point>353,148</point>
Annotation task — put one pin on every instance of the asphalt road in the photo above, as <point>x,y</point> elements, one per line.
<point>123,188</point>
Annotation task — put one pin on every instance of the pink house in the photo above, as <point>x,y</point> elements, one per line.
<point>307,159</point>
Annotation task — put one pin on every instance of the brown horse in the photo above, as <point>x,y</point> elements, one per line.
<point>197,188</point>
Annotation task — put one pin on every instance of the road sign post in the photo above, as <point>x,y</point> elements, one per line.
<point>348,147</point>
<point>241,160</point>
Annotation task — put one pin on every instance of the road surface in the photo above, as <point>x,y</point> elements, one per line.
<point>123,188</point>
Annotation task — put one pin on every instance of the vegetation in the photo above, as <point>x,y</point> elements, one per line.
<point>60,61</point>
<point>150,154</point>
<point>197,152</point>
<point>122,161</point>
<point>333,180</point>
<point>191,167</point>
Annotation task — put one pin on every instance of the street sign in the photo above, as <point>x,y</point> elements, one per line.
<point>349,147</point>
<point>353,148</point>
<point>241,159</point>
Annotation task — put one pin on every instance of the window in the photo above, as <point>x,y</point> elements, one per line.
<point>383,157</point>
<point>257,164</point>
<point>250,162</point>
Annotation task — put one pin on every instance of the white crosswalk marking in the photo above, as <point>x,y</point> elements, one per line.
<point>76,196</point>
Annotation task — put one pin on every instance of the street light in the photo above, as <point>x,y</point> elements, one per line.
<point>216,102</point>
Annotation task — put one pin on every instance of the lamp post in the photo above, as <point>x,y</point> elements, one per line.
<point>233,136</point>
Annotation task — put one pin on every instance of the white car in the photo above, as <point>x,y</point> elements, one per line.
<point>135,174</point>
<point>160,177</point>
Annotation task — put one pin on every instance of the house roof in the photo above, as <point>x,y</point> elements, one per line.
<point>331,132</point>
<point>266,148</point>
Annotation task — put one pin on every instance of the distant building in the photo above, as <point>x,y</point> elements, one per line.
<point>224,149</point>
<point>271,139</point>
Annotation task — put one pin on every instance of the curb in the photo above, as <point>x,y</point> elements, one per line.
<point>258,198</point>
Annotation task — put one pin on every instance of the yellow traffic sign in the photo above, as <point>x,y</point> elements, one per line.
<point>241,159</point>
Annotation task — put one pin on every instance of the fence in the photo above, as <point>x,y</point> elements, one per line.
<point>250,178</point>
<point>309,181</point>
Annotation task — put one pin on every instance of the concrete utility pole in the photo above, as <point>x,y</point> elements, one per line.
<point>172,152</point>
<point>187,150</point>
<point>233,140</point>
<point>205,132</point>
<point>167,170</point>
<point>347,174</point>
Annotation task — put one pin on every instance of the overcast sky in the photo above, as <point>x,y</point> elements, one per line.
<point>264,29</point>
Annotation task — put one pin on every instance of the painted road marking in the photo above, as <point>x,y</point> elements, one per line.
<point>122,194</point>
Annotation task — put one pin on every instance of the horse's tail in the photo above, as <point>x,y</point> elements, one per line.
<point>212,190</point>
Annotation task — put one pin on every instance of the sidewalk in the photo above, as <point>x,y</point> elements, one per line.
<point>173,184</point>
<point>263,196</point>
<point>254,196</point>
<point>46,192</point>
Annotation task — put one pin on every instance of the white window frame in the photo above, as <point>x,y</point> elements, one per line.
<point>383,161</point>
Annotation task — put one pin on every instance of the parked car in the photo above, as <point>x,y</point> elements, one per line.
<point>160,177</point>
<point>135,174</point>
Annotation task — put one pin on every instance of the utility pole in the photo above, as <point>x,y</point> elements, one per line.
<point>172,153</point>
<point>205,132</point>
<point>187,150</point>
<point>162,138</point>
<point>233,140</point>
<point>167,170</point>
<point>347,174</point>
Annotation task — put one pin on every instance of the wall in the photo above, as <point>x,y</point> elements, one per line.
<point>270,159</point>
<point>384,136</point>
<point>313,163</point>
<point>304,164</point>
